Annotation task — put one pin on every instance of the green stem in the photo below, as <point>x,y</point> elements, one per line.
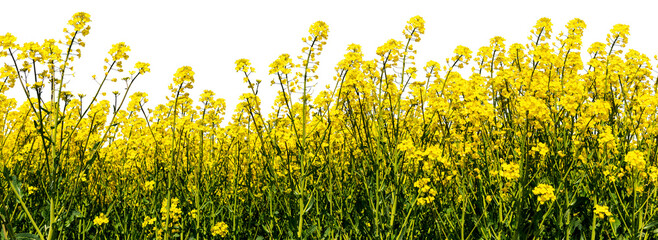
<point>34,224</point>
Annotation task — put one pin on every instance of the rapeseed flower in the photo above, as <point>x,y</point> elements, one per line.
<point>635,161</point>
<point>101,219</point>
<point>602,211</point>
<point>119,51</point>
<point>220,228</point>
<point>544,193</point>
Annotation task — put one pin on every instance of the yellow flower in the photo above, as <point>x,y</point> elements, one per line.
<point>142,67</point>
<point>653,174</point>
<point>421,183</point>
<point>510,171</point>
<point>37,85</point>
<point>433,153</point>
<point>101,219</point>
<point>149,185</point>
<point>119,51</point>
<point>79,20</point>
<point>576,27</point>
<point>618,35</point>
<point>7,72</point>
<point>606,138</point>
<point>463,51</point>
<point>184,74</point>
<point>244,65</point>
<point>415,26</point>
<point>319,30</point>
<point>281,65</point>
<point>136,100</point>
<point>601,211</point>
<point>406,145</point>
<point>7,41</point>
<point>543,28</point>
<point>635,160</point>
<point>174,212</point>
<point>392,47</point>
<point>51,51</point>
<point>544,193</point>
<point>31,190</point>
<point>533,108</point>
<point>148,221</point>
<point>541,148</point>
<point>424,190</point>
<point>31,50</point>
<point>597,48</point>
<point>220,228</point>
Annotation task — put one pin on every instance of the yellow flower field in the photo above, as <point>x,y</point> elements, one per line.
<point>512,141</point>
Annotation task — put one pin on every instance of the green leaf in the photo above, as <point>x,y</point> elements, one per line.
<point>17,185</point>
<point>75,214</point>
<point>650,225</point>
<point>309,205</point>
<point>26,236</point>
<point>308,232</point>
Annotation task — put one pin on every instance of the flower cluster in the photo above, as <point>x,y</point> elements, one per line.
<point>424,190</point>
<point>282,65</point>
<point>635,161</point>
<point>79,21</point>
<point>171,210</point>
<point>7,41</point>
<point>101,219</point>
<point>319,30</point>
<point>184,76</point>
<point>510,171</point>
<point>544,193</point>
<point>602,211</point>
<point>119,51</point>
<point>142,67</point>
<point>541,148</point>
<point>415,26</point>
<point>220,228</point>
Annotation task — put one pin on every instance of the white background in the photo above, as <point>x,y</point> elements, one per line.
<point>210,36</point>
